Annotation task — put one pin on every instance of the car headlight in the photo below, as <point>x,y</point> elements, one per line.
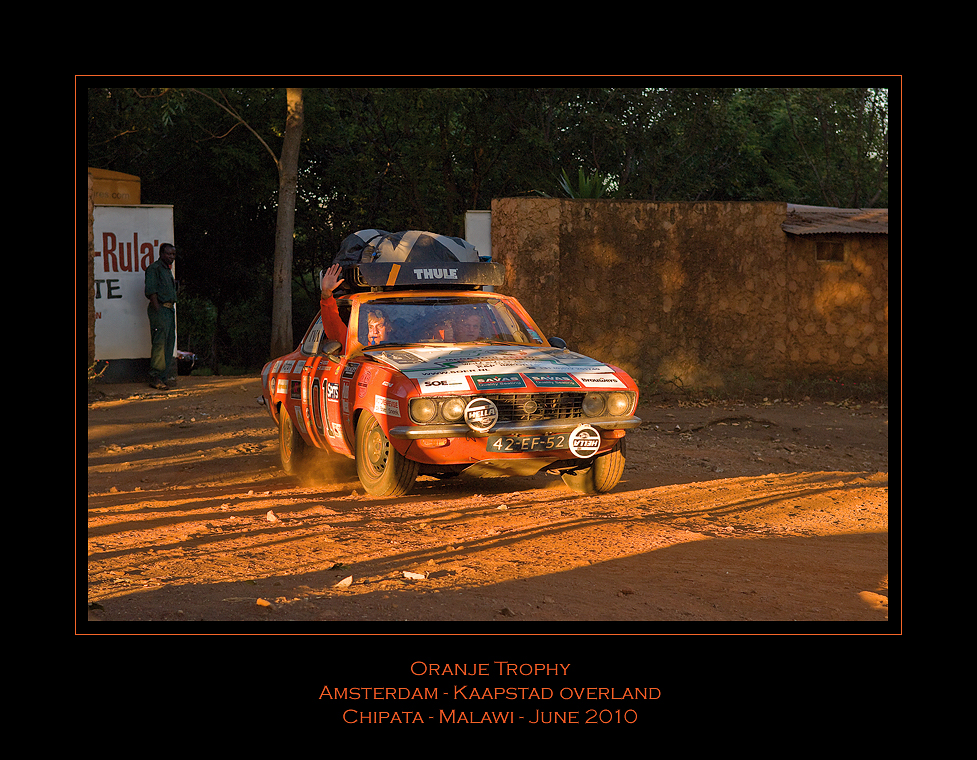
<point>453,409</point>
<point>593,404</point>
<point>438,409</point>
<point>481,414</point>
<point>423,409</point>
<point>618,404</point>
<point>613,404</point>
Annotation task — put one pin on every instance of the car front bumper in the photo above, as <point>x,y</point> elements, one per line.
<point>540,427</point>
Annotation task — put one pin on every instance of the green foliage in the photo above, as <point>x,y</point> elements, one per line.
<point>588,185</point>
<point>400,158</point>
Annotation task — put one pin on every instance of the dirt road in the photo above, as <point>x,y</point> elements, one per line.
<point>767,511</point>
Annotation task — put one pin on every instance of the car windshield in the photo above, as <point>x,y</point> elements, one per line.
<point>442,320</point>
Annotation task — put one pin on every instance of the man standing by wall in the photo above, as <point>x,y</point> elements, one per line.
<point>161,292</point>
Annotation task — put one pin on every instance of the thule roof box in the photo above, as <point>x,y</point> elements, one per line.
<point>466,275</point>
<point>378,260</point>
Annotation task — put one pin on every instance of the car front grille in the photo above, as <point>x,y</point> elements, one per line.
<point>525,407</point>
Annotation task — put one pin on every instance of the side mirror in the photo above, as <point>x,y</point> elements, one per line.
<point>557,342</point>
<point>331,349</point>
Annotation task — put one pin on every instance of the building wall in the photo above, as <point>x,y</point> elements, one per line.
<point>707,295</point>
<point>90,267</point>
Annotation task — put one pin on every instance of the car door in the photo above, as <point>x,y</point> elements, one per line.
<point>324,370</point>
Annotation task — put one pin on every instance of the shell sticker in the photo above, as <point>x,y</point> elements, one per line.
<point>387,406</point>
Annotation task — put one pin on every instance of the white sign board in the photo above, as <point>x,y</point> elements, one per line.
<point>478,231</point>
<point>127,240</point>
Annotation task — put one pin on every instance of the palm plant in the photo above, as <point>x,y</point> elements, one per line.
<point>588,186</point>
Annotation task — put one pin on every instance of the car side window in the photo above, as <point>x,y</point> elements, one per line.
<point>313,338</point>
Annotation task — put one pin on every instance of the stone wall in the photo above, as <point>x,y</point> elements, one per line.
<point>707,295</point>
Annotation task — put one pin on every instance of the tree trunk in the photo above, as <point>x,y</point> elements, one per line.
<point>281,318</point>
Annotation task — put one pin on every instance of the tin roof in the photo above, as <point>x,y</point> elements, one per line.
<point>808,220</point>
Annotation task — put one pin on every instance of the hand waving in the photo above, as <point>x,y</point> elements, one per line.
<point>331,278</point>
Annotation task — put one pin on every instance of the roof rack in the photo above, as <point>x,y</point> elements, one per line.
<point>438,274</point>
<point>378,260</point>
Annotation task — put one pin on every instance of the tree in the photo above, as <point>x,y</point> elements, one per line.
<point>288,168</point>
<point>842,135</point>
<point>417,158</point>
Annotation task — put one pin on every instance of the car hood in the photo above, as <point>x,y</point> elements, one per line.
<point>475,368</point>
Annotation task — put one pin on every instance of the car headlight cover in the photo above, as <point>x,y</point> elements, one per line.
<point>610,404</point>
<point>453,408</point>
<point>423,409</point>
<point>618,404</point>
<point>481,414</point>
<point>593,404</point>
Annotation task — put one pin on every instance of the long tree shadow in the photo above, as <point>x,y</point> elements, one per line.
<point>839,579</point>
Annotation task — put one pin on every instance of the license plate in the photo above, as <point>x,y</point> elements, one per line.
<point>513,444</point>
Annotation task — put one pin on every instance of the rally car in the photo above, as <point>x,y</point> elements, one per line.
<point>463,381</point>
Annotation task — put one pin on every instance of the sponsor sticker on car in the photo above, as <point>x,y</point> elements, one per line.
<point>484,368</point>
<point>443,384</point>
<point>599,380</point>
<point>497,382</point>
<point>552,380</point>
<point>387,406</point>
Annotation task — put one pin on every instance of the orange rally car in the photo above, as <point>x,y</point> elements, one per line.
<point>462,382</point>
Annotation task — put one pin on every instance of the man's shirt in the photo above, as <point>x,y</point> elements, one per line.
<point>159,280</point>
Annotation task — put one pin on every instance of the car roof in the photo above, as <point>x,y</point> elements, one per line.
<point>422,294</point>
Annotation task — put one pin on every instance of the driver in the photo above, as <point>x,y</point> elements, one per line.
<point>378,327</point>
<point>333,325</point>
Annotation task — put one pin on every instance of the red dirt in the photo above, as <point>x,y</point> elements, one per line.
<point>768,511</point>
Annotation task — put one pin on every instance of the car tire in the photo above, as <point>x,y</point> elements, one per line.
<point>292,448</point>
<point>382,469</point>
<point>602,475</point>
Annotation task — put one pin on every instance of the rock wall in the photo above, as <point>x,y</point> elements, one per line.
<point>707,295</point>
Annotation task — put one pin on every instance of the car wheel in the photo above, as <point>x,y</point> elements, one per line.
<point>382,470</point>
<point>292,449</point>
<point>602,475</point>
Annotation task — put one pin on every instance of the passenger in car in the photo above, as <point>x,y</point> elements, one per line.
<point>467,326</point>
<point>333,325</point>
